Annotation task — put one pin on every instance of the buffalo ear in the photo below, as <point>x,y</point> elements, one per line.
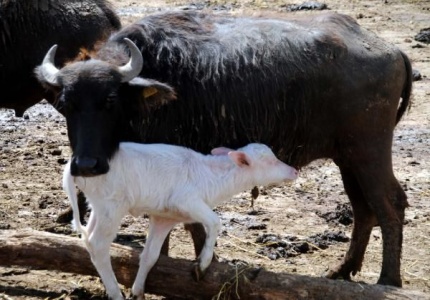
<point>153,93</point>
<point>239,158</point>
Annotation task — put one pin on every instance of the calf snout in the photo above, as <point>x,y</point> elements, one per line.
<point>292,174</point>
<point>88,166</point>
<point>295,173</point>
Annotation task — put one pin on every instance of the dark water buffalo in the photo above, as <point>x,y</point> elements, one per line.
<point>315,87</point>
<point>29,28</point>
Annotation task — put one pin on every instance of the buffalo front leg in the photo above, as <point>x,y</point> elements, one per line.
<point>364,221</point>
<point>66,216</point>
<point>198,235</point>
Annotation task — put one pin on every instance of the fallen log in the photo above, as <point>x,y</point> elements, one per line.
<point>172,277</point>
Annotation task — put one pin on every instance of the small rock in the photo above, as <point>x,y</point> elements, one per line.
<point>4,226</point>
<point>62,161</point>
<point>423,36</point>
<point>416,75</point>
<point>311,5</point>
<point>56,152</point>
<point>257,226</point>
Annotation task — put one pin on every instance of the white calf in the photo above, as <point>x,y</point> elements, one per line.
<point>171,184</point>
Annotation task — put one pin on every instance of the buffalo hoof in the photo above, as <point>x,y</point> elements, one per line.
<point>65,217</point>
<point>338,274</point>
<point>197,272</point>
<point>385,280</point>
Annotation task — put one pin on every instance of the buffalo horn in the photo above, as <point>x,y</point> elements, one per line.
<point>134,65</point>
<point>48,70</point>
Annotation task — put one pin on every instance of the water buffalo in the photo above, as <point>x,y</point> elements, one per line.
<point>310,87</point>
<point>29,28</point>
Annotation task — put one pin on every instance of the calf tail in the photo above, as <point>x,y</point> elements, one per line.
<point>69,188</point>
<point>407,89</point>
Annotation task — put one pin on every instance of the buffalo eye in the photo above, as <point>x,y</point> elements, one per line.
<point>67,103</point>
<point>61,102</point>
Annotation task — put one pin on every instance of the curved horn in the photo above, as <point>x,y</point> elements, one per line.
<point>47,69</point>
<point>134,65</point>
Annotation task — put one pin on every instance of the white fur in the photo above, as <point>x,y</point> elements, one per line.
<point>171,184</point>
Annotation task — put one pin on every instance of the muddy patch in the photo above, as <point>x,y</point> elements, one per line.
<point>275,246</point>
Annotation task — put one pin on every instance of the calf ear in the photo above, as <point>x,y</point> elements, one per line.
<point>239,158</point>
<point>153,93</point>
<point>221,151</point>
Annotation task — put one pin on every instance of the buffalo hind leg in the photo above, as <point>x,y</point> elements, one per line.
<point>384,196</point>
<point>364,220</point>
<point>390,274</point>
<point>388,201</point>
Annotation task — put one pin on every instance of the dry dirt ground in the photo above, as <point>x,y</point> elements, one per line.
<point>279,233</point>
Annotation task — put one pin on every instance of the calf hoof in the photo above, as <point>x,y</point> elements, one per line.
<point>385,280</point>
<point>121,296</point>
<point>197,273</point>
<point>215,258</point>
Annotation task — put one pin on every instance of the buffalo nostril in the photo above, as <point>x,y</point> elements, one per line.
<point>85,163</point>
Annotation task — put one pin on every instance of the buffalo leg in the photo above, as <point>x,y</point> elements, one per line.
<point>390,214</point>
<point>371,166</point>
<point>165,246</point>
<point>198,234</point>
<point>364,220</point>
<point>67,215</point>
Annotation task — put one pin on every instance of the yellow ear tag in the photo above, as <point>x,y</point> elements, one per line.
<point>149,91</point>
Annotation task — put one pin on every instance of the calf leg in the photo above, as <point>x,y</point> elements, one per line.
<point>203,214</point>
<point>159,228</point>
<point>104,230</point>
<point>364,220</point>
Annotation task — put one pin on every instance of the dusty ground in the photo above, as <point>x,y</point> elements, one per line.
<point>34,149</point>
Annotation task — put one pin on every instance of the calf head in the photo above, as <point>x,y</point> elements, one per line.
<point>260,162</point>
<point>96,98</point>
